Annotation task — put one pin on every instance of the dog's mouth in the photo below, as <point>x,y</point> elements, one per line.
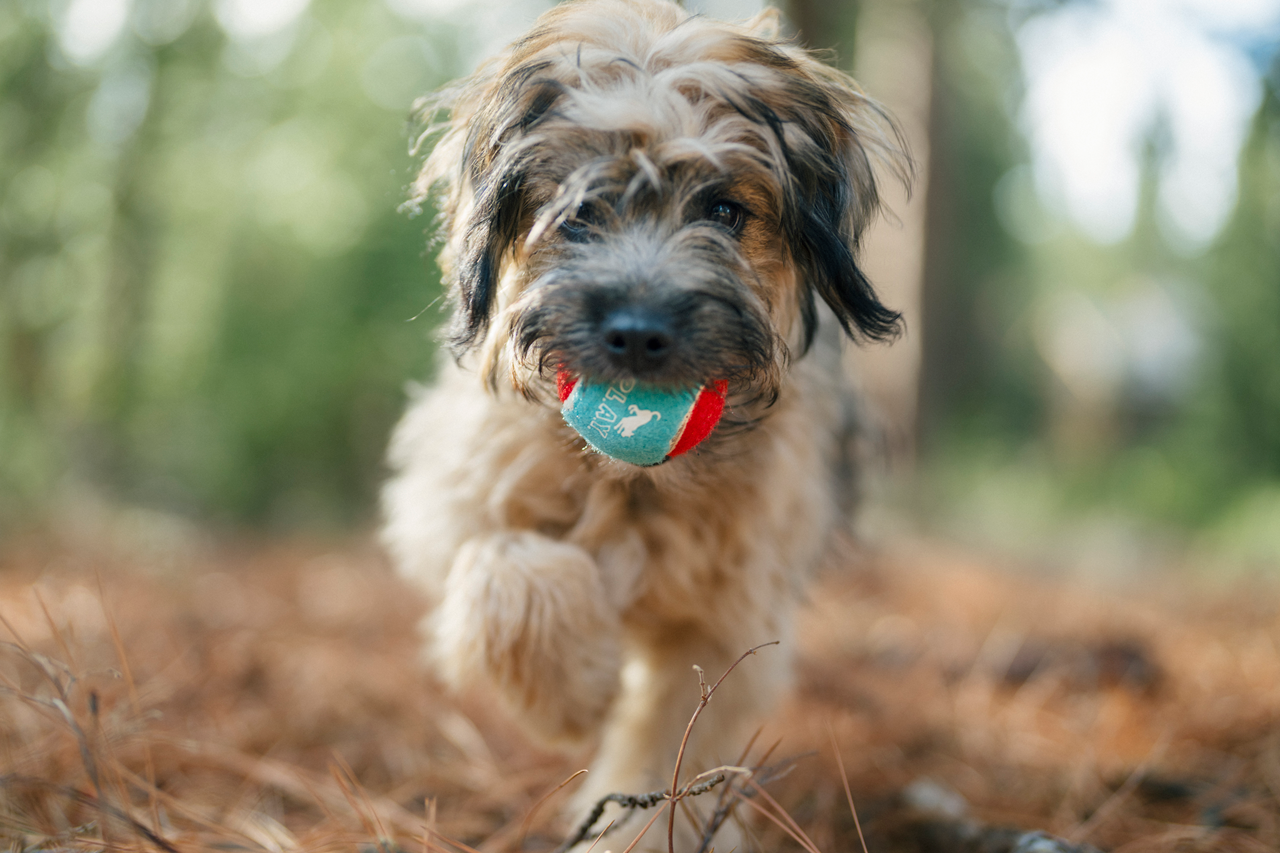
<point>638,423</point>
<point>564,383</point>
<point>567,380</point>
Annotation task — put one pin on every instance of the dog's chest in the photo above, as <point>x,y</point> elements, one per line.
<point>667,549</point>
<point>747,522</point>
<point>662,546</point>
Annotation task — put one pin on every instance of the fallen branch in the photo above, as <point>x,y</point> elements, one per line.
<point>630,802</point>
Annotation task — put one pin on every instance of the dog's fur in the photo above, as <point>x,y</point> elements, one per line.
<point>625,156</point>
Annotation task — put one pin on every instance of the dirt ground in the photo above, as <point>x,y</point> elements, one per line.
<point>267,696</point>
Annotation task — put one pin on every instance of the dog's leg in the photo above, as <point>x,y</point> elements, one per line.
<point>530,613</point>
<point>660,693</point>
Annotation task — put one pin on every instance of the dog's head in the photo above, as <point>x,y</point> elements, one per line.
<point>636,193</point>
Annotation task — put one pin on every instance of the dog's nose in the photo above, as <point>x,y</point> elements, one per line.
<point>638,339</point>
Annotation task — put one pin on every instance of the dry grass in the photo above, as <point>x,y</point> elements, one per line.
<point>268,697</point>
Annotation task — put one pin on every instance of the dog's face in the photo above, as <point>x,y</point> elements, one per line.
<point>634,193</point>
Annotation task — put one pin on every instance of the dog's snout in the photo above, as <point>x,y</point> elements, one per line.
<point>638,339</point>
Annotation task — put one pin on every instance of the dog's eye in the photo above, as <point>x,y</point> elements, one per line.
<point>728,215</point>
<point>575,230</point>
<point>581,227</point>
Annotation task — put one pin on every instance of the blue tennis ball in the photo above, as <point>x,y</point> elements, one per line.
<point>641,424</point>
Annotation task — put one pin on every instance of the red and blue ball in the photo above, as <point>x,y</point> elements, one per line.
<point>637,423</point>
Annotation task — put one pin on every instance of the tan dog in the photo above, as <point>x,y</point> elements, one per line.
<point>635,194</point>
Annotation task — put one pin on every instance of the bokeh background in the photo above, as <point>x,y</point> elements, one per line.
<point>211,300</point>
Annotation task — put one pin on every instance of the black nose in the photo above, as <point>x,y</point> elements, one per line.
<point>637,339</point>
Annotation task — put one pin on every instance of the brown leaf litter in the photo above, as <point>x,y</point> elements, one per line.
<point>268,697</point>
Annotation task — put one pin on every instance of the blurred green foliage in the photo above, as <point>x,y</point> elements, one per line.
<point>210,301</point>
<point>1242,401</point>
<point>1071,386</point>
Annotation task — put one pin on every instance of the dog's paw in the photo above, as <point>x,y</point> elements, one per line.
<point>531,614</point>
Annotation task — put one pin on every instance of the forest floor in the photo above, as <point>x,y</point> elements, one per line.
<point>268,697</point>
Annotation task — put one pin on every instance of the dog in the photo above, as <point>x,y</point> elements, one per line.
<point>631,193</point>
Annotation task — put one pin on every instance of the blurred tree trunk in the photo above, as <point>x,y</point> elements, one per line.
<point>888,46</point>
<point>939,308</point>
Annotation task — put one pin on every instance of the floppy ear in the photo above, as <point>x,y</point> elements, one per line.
<point>837,195</point>
<point>489,230</point>
<point>484,176</point>
<point>830,135</point>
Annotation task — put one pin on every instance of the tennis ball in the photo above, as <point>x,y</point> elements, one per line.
<point>641,424</point>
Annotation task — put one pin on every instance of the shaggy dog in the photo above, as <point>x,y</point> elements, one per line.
<point>631,193</point>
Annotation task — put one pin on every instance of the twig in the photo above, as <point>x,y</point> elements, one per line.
<point>844,777</point>
<point>62,680</point>
<point>799,833</point>
<point>684,741</point>
<point>91,802</point>
<point>602,834</point>
<point>721,813</point>
<point>675,793</point>
<point>528,819</point>
<point>727,801</point>
<point>627,801</point>
<point>800,838</point>
<point>363,808</point>
<point>633,801</point>
<point>176,805</point>
<point>643,830</point>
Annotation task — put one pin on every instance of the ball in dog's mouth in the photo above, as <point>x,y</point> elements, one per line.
<point>638,423</point>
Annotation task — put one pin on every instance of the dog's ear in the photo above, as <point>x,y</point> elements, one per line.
<point>484,177</point>
<point>835,197</point>
<point>832,138</point>
<point>489,230</point>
